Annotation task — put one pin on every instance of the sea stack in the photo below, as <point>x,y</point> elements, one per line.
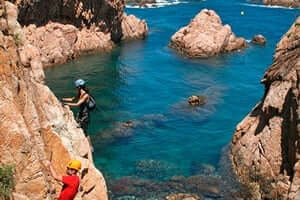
<point>205,36</point>
<point>265,150</point>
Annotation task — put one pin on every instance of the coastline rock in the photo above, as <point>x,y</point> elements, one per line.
<point>63,30</point>
<point>205,36</point>
<point>259,39</point>
<point>197,100</point>
<point>106,15</point>
<point>34,125</point>
<point>265,147</point>
<point>133,28</point>
<point>285,3</point>
<point>59,43</point>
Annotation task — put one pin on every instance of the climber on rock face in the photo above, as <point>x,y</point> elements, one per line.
<point>83,116</point>
<point>85,102</point>
<point>70,181</point>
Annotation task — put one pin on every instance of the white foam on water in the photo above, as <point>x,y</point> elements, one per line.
<point>158,4</point>
<point>266,6</point>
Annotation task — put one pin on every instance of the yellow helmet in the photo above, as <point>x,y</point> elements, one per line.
<point>74,164</point>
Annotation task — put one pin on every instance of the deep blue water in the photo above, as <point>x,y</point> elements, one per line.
<point>148,83</point>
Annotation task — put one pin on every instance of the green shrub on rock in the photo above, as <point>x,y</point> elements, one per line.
<point>7,182</point>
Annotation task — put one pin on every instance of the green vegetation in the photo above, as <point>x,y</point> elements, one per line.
<point>7,182</point>
<point>18,40</point>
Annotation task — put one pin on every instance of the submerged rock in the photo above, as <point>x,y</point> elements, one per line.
<point>182,196</point>
<point>205,36</point>
<point>154,169</point>
<point>265,146</point>
<point>259,39</point>
<point>202,168</point>
<point>197,100</point>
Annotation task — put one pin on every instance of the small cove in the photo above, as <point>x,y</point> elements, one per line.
<point>148,83</point>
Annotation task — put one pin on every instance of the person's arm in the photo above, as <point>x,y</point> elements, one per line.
<point>69,99</point>
<point>53,172</point>
<point>80,101</point>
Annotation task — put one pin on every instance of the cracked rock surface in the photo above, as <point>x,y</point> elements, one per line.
<point>266,144</point>
<point>33,124</point>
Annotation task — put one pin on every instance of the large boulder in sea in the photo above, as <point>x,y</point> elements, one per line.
<point>33,124</point>
<point>205,36</point>
<point>285,3</point>
<point>266,145</point>
<point>133,28</point>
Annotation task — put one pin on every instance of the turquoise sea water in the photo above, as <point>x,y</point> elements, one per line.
<point>148,83</point>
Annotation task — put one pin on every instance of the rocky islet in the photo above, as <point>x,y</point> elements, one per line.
<point>205,36</point>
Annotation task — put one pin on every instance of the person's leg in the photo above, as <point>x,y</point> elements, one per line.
<point>85,125</point>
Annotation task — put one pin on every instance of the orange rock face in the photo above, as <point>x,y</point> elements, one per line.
<point>59,43</point>
<point>266,144</point>
<point>205,36</point>
<point>33,124</point>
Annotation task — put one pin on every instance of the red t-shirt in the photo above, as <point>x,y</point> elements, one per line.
<point>70,187</point>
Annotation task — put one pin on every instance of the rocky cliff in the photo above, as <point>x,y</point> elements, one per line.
<point>63,30</point>
<point>266,145</point>
<point>33,124</point>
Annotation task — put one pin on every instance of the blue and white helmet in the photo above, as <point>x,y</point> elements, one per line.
<point>79,82</point>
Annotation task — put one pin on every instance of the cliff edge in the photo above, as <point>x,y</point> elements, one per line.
<point>266,145</point>
<point>33,124</point>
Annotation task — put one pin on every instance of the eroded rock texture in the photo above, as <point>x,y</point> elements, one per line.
<point>33,124</point>
<point>266,144</point>
<point>286,3</point>
<point>205,36</point>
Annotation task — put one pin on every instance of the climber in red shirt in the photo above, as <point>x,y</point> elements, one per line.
<point>71,181</point>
